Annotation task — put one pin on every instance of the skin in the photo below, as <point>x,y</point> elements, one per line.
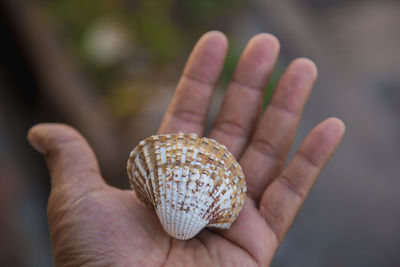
<point>94,224</point>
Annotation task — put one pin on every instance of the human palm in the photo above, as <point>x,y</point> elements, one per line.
<point>94,224</point>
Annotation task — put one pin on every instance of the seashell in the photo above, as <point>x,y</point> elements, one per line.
<point>190,182</point>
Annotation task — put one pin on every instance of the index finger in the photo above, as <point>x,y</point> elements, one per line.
<point>189,106</point>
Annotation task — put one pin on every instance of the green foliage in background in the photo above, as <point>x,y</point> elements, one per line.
<point>160,33</point>
<point>157,30</point>
<point>157,34</point>
<point>160,26</point>
<point>198,11</point>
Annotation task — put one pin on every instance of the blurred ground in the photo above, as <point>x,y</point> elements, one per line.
<point>352,216</point>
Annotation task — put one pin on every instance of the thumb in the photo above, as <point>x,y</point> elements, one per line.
<point>69,158</point>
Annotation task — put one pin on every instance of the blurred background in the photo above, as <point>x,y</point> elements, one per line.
<point>109,68</point>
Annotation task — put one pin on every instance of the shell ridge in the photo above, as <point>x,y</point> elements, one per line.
<point>177,174</point>
<point>176,182</point>
<point>217,205</point>
<point>138,165</point>
<point>195,207</point>
<point>169,199</point>
<point>187,200</point>
<point>174,185</point>
<point>186,162</point>
<point>180,207</point>
<point>155,155</point>
<point>224,189</point>
<point>162,207</point>
<point>139,194</point>
<point>223,204</point>
<point>154,163</point>
<point>208,146</point>
<point>147,153</point>
<point>168,172</point>
<point>159,158</point>
<point>204,201</point>
<point>179,227</point>
<point>170,182</point>
<point>238,185</point>
<point>138,178</point>
<point>190,216</point>
<point>212,183</point>
<point>185,208</point>
<point>183,189</point>
<point>150,168</point>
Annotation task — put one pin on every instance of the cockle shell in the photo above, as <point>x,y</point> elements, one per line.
<point>190,182</point>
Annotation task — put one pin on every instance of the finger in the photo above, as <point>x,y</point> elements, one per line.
<point>282,200</point>
<point>245,94</point>
<point>69,158</point>
<point>189,106</point>
<point>275,133</point>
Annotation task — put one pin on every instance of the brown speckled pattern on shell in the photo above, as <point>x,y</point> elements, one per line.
<point>190,182</point>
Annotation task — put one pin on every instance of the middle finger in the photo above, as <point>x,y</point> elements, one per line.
<point>245,94</point>
<point>266,154</point>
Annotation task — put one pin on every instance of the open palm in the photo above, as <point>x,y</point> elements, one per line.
<point>94,224</point>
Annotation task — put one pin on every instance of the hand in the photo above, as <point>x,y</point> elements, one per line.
<point>94,224</point>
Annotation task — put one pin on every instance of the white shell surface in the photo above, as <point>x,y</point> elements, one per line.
<point>190,182</point>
